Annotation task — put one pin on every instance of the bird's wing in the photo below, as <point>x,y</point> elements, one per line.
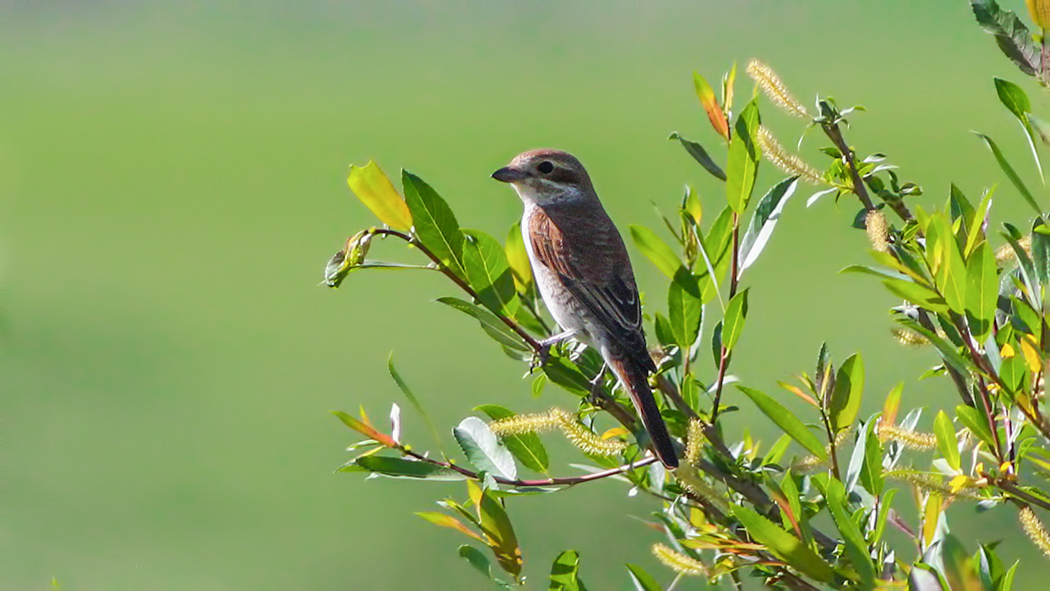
<point>592,263</point>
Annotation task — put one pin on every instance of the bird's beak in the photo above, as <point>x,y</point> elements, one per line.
<point>508,174</point>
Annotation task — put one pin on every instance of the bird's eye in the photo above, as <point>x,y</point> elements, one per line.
<point>545,167</point>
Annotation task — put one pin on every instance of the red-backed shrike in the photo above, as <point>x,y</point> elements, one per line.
<point>584,274</point>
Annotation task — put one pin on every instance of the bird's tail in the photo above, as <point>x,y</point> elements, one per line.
<point>634,380</point>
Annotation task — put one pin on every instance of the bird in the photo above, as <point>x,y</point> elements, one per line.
<point>584,275</point>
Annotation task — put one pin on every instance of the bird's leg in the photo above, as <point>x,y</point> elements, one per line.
<point>540,359</point>
<point>596,386</point>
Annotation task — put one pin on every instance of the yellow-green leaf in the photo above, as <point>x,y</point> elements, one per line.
<point>376,191</point>
<point>783,545</point>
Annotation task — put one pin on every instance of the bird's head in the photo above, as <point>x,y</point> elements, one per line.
<point>546,176</point>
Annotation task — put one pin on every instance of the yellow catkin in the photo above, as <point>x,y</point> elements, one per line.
<point>694,442</point>
<point>577,434</point>
<point>691,480</point>
<point>775,89</point>
<point>782,159</point>
<point>678,562</point>
<point>908,337</point>
<point>906,437</point>
<point>527,423</point>
<point>1039,10</point>
<point>1005,253</point>
<point>1035,530</point>
<point>810,464</point>
<point>878,230</point>
<point>585,439</point>
<point>929,482</point>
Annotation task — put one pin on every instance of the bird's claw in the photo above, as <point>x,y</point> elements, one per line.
<point>539,359</point>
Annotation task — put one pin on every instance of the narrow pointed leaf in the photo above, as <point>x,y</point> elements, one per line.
<point>946,442</point>
<point>448,521</point>
<point>742,167</point>
<point>764,220</point>
<point>1016,101</point>
<point>434,224</point>
<point>700,155</point>
<point>856,547</point>
<point>1010,173</point>
<point>642,580</point>
<point>518,257</point>
<point>489,273</point>
<point>403,386</point>
<point>846,397</point>
<point>707,99</point>
<point>685,311</point>
<point>787,422</point>
<point>982,290</point>
<point>656,250</point>
<point>1012,37</point>
<point>401,468</point>
<point>492,325</point>
<point>733,324</point>
<point>783,545</point>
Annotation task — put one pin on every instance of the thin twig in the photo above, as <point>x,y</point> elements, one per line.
<point>723,361</point>
<point>511,324</point>
<point>564,481</point>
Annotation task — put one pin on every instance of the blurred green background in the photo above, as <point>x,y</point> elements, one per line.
<point>173,181</point>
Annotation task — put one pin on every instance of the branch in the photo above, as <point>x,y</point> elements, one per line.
<point>511,324</point>
<point>564,481</point>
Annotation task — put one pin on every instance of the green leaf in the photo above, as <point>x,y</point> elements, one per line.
<point>656,250</point>
<point>1040,251</point>
<point>744,153</point>
<point>856,547</point>
<point>402,468</point>
<point>489,273</point>
<point>974,420</point>
<point>945,257</point>
<point>871,473</point>
<point>1011,35</point>
<point>403,386</point>
<point>700,155</point>
<point>642,580</point>
<point>982,290</point>
<point>946,442</point>
<point>917,294</point>
<point>958,567</point>
<point>563,372</point>
<point>949,353</point>
<point>1016,101</point>
<point>783,545</point>
<point>733,324</point>
<point>483,449</point>
<point>1010,173</point>
<point>526,447</point>
<point>764,220</point>
<point>787,422</point>
<point>885,506</point>
<point>685,312</point>
<point>491,324</point>
<point>434,224</point>
<point>518,258</point>
<point>496,524</point>
<point>845,398</point>
<point>565,572</point>
<point>378,194</point>
<point>706,94</point>
<point>476,559</point>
